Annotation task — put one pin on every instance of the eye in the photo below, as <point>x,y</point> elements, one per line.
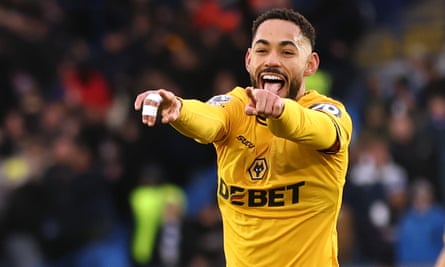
<point>261,51</point>
<point>288,52</point>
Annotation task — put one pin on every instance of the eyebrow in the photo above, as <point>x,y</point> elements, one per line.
<point>282,43</point>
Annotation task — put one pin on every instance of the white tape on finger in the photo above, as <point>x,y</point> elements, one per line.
<point>149,110</point>
<point>154,97</point>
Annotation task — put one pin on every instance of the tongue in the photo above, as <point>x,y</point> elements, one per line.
<point>273,87</point>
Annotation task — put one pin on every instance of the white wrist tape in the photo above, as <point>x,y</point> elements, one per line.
<point>154,97</point>
<point>149,110</point>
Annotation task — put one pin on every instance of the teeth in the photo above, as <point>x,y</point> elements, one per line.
<point>271,77</point>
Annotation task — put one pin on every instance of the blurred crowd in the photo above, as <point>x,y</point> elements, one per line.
<point>84,184</point>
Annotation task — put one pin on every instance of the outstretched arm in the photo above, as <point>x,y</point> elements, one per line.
<point>305,125</point>
<point>195,119</point>
<point>289,120</point>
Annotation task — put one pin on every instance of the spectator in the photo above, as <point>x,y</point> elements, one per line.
<point>375,192</point>
<point>158,209</point>
<point>420,228</point>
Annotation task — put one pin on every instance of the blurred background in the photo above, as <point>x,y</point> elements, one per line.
<point>84,184</point>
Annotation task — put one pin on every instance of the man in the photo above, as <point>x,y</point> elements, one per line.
<point>282,151</point>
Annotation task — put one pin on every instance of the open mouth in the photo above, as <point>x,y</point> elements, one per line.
<point>272,82</point>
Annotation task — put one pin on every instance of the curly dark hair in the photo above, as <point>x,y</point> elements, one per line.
<point>290,15</point>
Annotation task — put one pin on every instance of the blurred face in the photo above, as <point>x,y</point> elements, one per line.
<point>279,58</point>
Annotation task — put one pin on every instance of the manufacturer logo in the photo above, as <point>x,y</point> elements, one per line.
<point>244,141</point>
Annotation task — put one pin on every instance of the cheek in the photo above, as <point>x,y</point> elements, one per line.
<point>251,63</point>
<point>249,69</point>
<point>297,71</point>
<point>249,66</point>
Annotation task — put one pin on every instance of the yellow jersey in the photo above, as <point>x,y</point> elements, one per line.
<point>280,181</point>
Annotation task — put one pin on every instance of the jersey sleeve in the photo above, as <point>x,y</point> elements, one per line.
<point>203,122</point>
<point>207,122</point>
<point>326,126</point>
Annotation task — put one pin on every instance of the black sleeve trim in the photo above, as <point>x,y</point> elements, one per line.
<point>337,144</point>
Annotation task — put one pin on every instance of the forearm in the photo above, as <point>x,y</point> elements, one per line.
<point>304,125</point>
<point>200,121</point>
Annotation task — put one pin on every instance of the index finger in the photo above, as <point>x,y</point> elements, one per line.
<point>140,99</point>
<point>166,96</point>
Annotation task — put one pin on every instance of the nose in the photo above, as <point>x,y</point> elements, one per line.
<point>272,59</point>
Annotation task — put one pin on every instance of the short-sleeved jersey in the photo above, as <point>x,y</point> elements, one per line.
<point>279,194</point>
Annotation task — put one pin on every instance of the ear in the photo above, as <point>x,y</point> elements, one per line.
<point>312,64</point>
<point>247,59</point>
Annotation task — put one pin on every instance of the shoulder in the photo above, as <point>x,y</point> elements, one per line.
<point>316,101</point>
<point>237,94</point>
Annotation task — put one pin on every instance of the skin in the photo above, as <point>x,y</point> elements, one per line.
<point>169,107</point>
<point>278,48</point>
<point>441,259</point>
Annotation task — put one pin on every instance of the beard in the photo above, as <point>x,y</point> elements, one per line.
<point>294,85</point>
